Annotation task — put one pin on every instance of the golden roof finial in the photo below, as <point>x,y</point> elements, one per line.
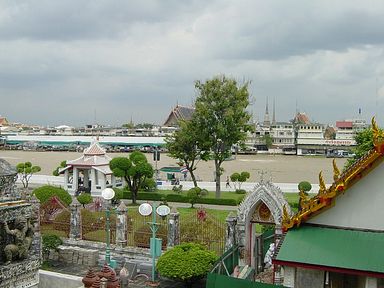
<point>322,189</point>
<point>336,171</point>
<point>286,217</point>
<point>375,130</point>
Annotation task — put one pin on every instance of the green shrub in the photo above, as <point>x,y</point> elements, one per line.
<point>187,262</point>
<point>229,202</point>
<point>50,242</point>
<point>304,186</point>
<point>193,195</point>
<point>46,192</point>
<point>204,192</point>
<point>240,191</point>
<point>84,198</point>
<point>240,199</point>
<point>149,184</point>
<point>177,198</point>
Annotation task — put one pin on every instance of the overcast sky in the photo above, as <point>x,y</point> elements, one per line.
<point>79,62</point>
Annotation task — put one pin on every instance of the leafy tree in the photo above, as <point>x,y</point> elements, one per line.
<point>135,170</point>
<point>144,126</point>
<point>364,143</point>
<point>187,262</point>
<point>183,144</point>
<point>221,118</point>
<point>63,164</point>
<point>84,198</point>
<point>25,171</point>
<point>239,178</point>
<point>128,125</point>
<point>193,195</point>
<point>268,140</point>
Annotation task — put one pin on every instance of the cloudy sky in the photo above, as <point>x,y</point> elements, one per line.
<point>79,62</point>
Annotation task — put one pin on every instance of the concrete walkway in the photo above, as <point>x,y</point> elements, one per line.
<point>166,185</point>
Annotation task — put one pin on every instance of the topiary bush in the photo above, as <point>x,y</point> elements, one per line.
<point>50,242</point>
<point>187,262</point>
<point>193,195</point>
<point>240,191</point>
<point>84,198</point>
<point>305,186</point>
<point>46,192</point>
<point>149,184</point>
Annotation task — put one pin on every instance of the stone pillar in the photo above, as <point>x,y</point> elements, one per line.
<point>370,282</point>
<point>240,233</point>
<point>75,179</point>
<point>230,236</point>
<point>173,229</point>
<point>66,178</point>
<point>121,225</point>
<point>289,276</point>
<point>74,232</point>
<point>35,223</point>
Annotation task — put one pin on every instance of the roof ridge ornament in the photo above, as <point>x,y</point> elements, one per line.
<point>323,188</point>
<point>336,171</point>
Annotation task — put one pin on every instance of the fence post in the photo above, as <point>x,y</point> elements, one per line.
<point>173,228</point>
<point>121,225</point>
<point>230,236</point>
<point>75,225</point>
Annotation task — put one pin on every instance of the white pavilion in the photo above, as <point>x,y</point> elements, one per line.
<point>90,172</point>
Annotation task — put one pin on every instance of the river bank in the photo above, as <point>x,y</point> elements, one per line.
<point>279,168</point>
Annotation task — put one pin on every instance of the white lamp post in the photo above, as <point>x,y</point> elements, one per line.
<point>146,209</point>
<point>108,194</point>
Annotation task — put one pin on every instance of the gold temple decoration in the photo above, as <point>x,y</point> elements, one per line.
<point>285,215</point>
<point>336,171</point>
<point>322,189</point>
<point>342,181</point>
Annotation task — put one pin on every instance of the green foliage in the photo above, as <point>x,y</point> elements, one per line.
<point>304,186</point>
<point>267,139</point>
<point>25,171</point>
<point>63,164</point>
<point>177,188</point>
<point>240,199</point>
<point>193,195</point>
<point>185,145</point>
<point>84,198</point>
<point>135,170</point>
<point>239,178</point>
<point>240,191</point>
<point>221,118</point>
<point>50,242</point>
<point>187,262</point>
<point>364,143</point>
<point>149,184</point>
<point>46,192</point>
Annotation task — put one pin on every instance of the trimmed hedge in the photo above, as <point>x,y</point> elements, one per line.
<point>44,193</point>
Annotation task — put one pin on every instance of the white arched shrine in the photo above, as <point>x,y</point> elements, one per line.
<point>263,205</point>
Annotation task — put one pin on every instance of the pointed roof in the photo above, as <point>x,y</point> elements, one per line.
<point>94,149</point>
<point>94,155</point>
<point>179,113</point>
<point>325,198</point>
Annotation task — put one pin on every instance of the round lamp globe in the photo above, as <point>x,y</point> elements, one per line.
<point>108,193</point>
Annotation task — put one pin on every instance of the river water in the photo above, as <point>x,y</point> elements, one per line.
<point>279,168</point>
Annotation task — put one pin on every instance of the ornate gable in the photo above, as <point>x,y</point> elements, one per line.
<point>264,203</point>
<point>342,182</point>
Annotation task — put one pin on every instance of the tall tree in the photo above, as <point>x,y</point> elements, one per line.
<point>221,117</point>
<point>135,170</point>
<point>184,144</point>
<point>25,171</point>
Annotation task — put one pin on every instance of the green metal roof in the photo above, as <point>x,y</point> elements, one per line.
<point>170,169</point>
<point>340,248</point>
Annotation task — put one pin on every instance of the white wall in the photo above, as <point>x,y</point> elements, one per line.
<point>360,207</point>
<point>50,279</point>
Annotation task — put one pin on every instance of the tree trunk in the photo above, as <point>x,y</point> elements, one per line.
<point>193,178</point>
<point>134,196</point>
<point>217,179</point>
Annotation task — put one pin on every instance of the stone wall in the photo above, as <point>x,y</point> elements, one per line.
<point>76,255</point>
<point>50,279</point>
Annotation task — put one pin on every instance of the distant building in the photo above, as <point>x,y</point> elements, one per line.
<point>178,113</point>
<point>3,121</point>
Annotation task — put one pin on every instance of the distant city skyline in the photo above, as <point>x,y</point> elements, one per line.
<point>86,62</point>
